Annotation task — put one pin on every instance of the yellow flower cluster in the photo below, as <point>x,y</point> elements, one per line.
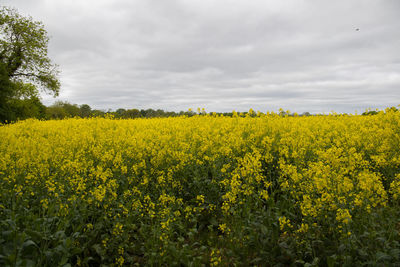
<point>284,223</point>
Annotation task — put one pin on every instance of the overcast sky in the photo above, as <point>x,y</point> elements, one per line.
<point>224,55</point>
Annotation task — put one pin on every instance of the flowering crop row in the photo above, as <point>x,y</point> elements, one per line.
<point>208,190</point>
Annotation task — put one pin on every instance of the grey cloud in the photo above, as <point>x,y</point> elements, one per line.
<point>224,55</point>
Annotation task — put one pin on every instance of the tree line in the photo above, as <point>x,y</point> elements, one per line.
<point>33,108</point>
<point>61,110</point>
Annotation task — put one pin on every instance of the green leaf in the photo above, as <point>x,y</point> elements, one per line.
<point>213,221</point>
<point>7,234</point>
<point>264,229</point>
<point>331,260</point>
<point>60,235</point>
<point>28,247</point>
<point>29,263</point>
<point>395,253</point>
<point>381,256</point>
<point>362,253</point>
<point>34,234</point>
<point>64,260</point>
<point>97,248</point>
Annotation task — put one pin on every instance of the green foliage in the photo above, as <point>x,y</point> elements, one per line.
<point>85,110</point>
<point>24,67</point>
<point>55,112</point>
<point>23,51</point>
<point>26,108</point>
<point>5,93</point>
<point>132,113</point>
<point>61,110</point>
<point>19,101</point>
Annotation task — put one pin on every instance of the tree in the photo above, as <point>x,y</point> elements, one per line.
<point>71,109</point>
<point>24,63</point>
<point>5,93</point>
<point>23,50</point>
<point>55,112</point>
<point>132,113</point>
<point>120,113</point>
<point>60,110</point>
<point>27,108</point>
<point>86,110</point>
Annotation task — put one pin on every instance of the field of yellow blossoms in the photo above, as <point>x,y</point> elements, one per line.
<point>260,189</point>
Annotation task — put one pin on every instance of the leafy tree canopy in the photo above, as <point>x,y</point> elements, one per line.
<point>23,52</point>
<point>24,67</point>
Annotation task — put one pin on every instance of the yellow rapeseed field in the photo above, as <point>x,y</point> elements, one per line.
<point>199,190</point>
